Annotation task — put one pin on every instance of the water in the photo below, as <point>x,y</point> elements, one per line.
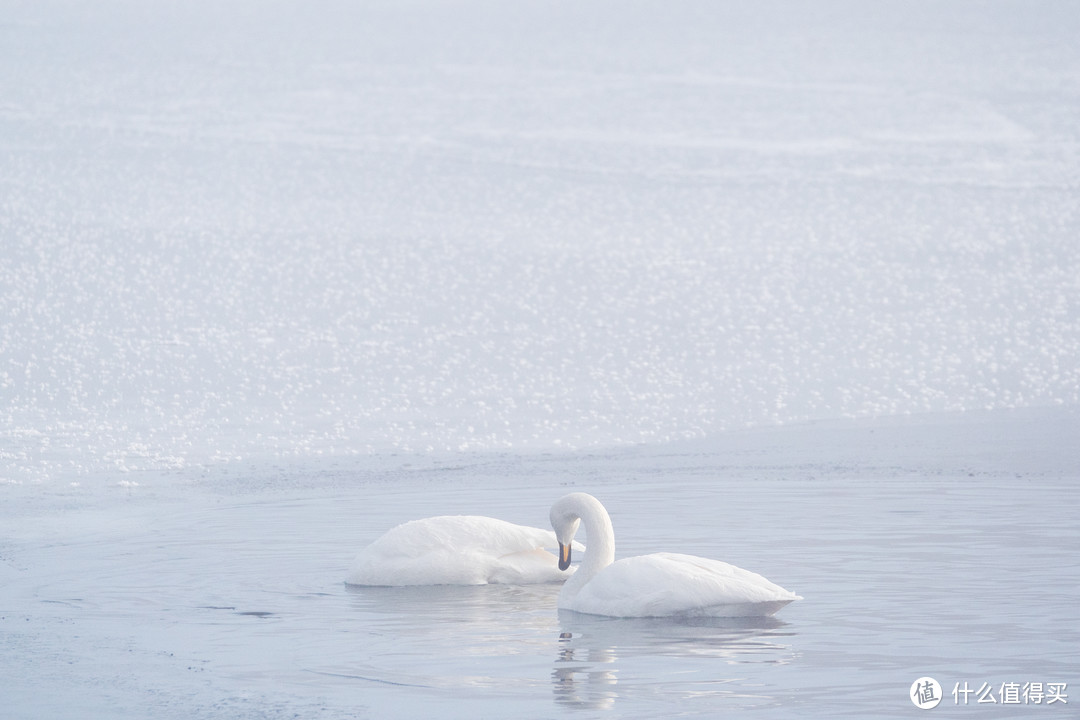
<point>918,546</point>
<point>790,285</point>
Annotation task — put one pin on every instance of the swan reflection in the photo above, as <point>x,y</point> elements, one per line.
<point>581,677</point>
<point>510,640</point>
<point>594,651</point>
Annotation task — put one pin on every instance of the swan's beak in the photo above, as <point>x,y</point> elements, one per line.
<point>564,556</point>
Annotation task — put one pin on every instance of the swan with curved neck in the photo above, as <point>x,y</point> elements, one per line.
<point>656,585</point>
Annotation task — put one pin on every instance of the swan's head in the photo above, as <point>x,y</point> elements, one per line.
<point>565,519</point>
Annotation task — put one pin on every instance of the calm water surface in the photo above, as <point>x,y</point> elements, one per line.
<point>206,602</point>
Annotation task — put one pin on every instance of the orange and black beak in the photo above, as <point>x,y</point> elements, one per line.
<point>564,556</point>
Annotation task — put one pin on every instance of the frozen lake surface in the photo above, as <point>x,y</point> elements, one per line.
<point>792,285</point>
<point>283,230</point>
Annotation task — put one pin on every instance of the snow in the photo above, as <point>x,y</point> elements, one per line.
<point>276,262</point>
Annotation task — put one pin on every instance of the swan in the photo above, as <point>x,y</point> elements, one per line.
<point>458,550</point>
<point>657,585</point>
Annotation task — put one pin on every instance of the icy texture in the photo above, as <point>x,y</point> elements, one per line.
<point>283,230</point>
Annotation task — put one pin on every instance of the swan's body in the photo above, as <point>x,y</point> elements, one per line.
<point>657,585</point>
<point>458,550</point>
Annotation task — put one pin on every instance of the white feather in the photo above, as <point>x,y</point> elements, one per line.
<point>458,550</point>
<point>657,585</point>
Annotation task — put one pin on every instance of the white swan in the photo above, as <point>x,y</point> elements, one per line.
<point>657,585</point>
<point>458,550</point>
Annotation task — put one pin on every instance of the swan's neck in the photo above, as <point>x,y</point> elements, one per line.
<point>599,545</point>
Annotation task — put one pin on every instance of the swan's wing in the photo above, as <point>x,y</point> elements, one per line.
<point>527,568</point>
<point>456,550</point>
<point>463,533</point>
<point>665,584</point>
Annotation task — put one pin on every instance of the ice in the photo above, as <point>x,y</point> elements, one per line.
<point>235,232</point>
<point>333,266</point>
